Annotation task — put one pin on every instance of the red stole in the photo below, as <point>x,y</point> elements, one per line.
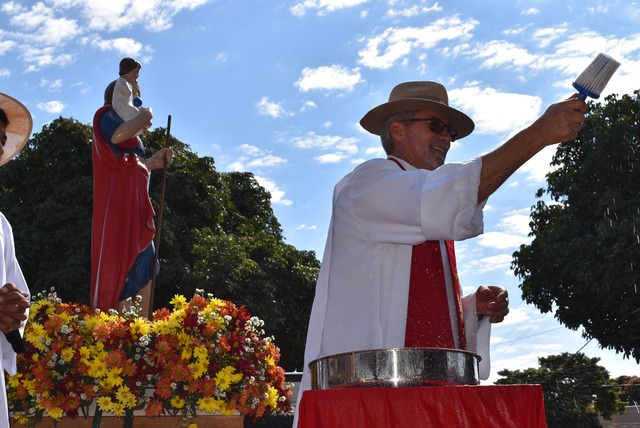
<point>428,318</point>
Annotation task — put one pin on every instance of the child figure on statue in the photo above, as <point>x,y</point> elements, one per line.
<point>124,96</point>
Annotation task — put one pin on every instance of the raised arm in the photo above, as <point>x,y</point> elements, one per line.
<point>560,122</point>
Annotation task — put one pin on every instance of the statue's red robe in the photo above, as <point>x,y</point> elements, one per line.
<point>123,224</point>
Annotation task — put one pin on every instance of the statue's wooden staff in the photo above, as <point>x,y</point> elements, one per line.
<point>159,225</point>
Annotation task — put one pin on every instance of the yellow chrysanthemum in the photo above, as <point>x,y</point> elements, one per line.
<point>104,403</point>
<point>29,385</point>
<point>225,377</point>
<point>118,409</point>
<point>178,302</point>
<point>270,361</point>
<point>272,397</point>
<point>175,320</point>
<point>113,378</point>
<point>160,327</point>
<point>126,397</point>
<point>98,368</point>
<point>55,413</point>
<point>200,352</point>
<point>187,343</point>
<point>209,405</point>
<point>66,318</point>
<point>68,354</point>
<point>21,418</point>
<point>199,369</point>
<point>225,409</point>
<point>33,335</point>
<point>14,381</point>
<point>140,327</point>
<point>177,403</point>
<point>192,425</point>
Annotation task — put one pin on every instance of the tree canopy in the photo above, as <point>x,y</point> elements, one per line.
<point>584,260</point>
<point>218,232</point>
<point>630,389</point>
<point>576,389</point>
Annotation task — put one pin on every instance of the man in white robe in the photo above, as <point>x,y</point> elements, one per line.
<point>385,208</point>
<point>15,129</point>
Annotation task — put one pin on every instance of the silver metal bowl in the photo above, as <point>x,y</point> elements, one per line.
<point>396,367</point>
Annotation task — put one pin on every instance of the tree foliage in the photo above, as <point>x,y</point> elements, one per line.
<point>218,232</point>
<point>576,389</point>
<point>584,260</point>
<point>630,389</point>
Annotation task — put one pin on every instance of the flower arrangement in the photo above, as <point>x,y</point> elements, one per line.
<point>205,355</point>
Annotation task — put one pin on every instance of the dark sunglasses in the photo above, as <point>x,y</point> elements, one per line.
<point>436,126</point>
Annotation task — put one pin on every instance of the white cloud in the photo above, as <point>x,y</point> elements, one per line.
<point>41,26</point>
<point>311,140</point>
<point>157,15</point>
<point>496,112</point>
<point>45,31</point>
<point>54,86</point>
<point>331,158</point>
<point>266,161</point>
<point>250,150</point>
<point>308,105</point>
<point>307,227</point>
<point>277,194</point>
<point>512,231</point>
<point>413,11</point>
<point>500,262</point>
<point>333,77</point>
<point>394,45</point>
<point>536,168</point>
<point>12,7</point>
<point>4,73</point>
<point>54,107</point>
<point>254,157</point>
<point>123,45</point>
<point>530,11</point>
<point>499,53</point>
<point>546,36</point>
<point>237,166</point>
<point>323,6</point>
<point>269,108</point>
<point>38,58</point>
<point>516,222</point>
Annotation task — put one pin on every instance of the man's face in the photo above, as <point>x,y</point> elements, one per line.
<point>3,137</point>
<point>418,144</point>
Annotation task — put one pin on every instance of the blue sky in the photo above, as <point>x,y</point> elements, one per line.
<point>277,88</point>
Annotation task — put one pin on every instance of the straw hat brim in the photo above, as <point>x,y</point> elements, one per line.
<point>19,128</point>
<point>374,120</point>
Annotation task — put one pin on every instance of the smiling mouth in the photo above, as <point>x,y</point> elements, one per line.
<point>440,150</point>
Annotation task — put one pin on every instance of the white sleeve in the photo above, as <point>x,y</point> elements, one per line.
<point>477,333</point>
<point>409,207</point>
<point>9,272</point>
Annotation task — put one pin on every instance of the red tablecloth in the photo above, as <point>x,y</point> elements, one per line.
<point>491,406</point>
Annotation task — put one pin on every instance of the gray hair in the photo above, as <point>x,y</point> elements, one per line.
<point>385,136</point>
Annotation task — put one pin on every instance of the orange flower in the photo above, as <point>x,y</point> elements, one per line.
<point>163,388</point>
<point>154,408</point>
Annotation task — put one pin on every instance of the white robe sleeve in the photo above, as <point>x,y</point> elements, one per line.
<point>478,334</point>
<point>9,272</point>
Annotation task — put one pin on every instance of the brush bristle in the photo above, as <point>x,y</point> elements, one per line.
<point>596,76</point>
